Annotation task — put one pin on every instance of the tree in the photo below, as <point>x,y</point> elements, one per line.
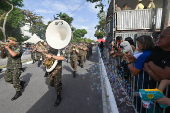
<point>101,28</point>
<point>99,4</point>
<point>6,6</point>
<point>32,18</point>
<point>14,23</point>
<point>99,34</point>
<point>65,17</point>
<point>79,33</point>
<point>40,30</point>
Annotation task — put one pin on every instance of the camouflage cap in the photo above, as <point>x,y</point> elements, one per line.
<point>12,38</point>
<point>74,43</point>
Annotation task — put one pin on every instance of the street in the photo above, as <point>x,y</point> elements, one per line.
<point>79,95</point>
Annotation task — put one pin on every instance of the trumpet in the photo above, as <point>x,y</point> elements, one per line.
<point>74,47</point>
<point>8,43</point>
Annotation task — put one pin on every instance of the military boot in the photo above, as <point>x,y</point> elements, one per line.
<point>67,60</point>
<point>81,66</point>
<point>46,74</point>
<point>57,102</point>
<point>22,84</point>
<point>18,94</point>
<point>74,74</point>
<point>39,64</point>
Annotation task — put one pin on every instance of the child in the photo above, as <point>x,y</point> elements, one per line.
<point>164,100</point>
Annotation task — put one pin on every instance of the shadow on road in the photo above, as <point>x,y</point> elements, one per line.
<point>25,78</point>
<point>79,95</point>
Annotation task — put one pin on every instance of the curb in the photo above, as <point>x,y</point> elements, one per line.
<point>107,86</point>
<point>29,62</point>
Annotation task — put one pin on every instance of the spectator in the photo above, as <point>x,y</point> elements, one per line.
<point>146,44</point>
<point>151,5</point>
<point>112,47</point>
<point>162,86</point>
<point>130,40</point>
<point>125,7</point>
<point>117,8</point>
<point>157,64</point>
<point>139,5</point>
<point>118,47</point>
<point>101,47</point>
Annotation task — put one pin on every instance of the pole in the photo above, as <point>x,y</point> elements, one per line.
<point>165,14</point>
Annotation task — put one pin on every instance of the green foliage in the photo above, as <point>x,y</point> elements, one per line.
<point>99,34</point>
<point>32,18</point>
<point>79,33</point>
<point>15,20</point>
<point>101,28</point>
<point>73,29</point>
<point>65,17</point>
<point>40,30</point>
<point>99,4</point>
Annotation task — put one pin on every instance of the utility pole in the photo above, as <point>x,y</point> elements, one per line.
<point>165,14</point>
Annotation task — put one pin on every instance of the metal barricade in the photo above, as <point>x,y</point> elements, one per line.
<point>130,85</point>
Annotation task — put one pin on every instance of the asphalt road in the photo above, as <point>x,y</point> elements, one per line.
<point>79,95</point>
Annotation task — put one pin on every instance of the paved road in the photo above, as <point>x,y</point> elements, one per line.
<point>79,95</point>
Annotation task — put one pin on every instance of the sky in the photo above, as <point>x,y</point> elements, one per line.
<point>85,17</point>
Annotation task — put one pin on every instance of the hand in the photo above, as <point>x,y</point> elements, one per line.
<point>48,55</point>
<point>126,58</point>
<point>164,100</point>
<point>7,46</point>
<point>40,50</point>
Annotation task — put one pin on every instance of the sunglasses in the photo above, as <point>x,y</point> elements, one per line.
<point>161,35</point>
<point>7,41</point>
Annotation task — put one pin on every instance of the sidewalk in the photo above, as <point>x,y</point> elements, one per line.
<point>3,62</point>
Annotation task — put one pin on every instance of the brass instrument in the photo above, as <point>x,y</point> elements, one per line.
<point>58,36</point>
<point>48,63</point>
<point>74,47</point>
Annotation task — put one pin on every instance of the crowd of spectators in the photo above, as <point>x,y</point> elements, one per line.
<point>149,59</point>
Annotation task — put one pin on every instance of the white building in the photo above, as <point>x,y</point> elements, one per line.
<point>25,30</point>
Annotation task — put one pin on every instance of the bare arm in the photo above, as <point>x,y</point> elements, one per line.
<point>160,72</point>
<point>163,84</point>
<point>151,73</point>
<point>12,53</point>
<point>132,69</point>
<point>2,53</point>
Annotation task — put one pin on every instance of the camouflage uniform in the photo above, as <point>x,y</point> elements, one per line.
<point>33,53</point>
<point>55,75</point>
<point>90,49</point>
<point>73,58</point>
<point>85,52</point>
<point>14,67</point>
<point>81,56</point>
<point>38,56</point>
<point>66,52</point>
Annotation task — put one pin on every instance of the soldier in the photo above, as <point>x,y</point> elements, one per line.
<point>38,55</point>
<point>88,47</point>
<point>13,52</point>
<point>33,53</point>
<point>81,55</point>
<point>55,75</point>
<point>139,5</point>
<point>67,52</point>
<point>151,5</point>
<point>90,50</point>
<point>44,56</point>
<point>73,58</point>
<point>85,52</point>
